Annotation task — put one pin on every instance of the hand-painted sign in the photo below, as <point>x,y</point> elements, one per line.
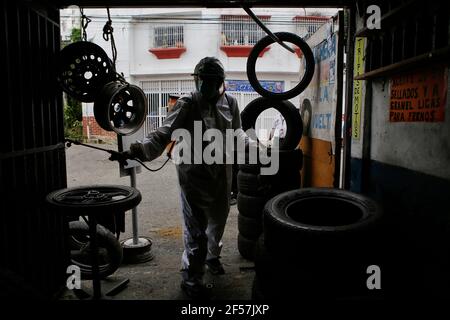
<point>358,87</point>
<point>419,96</point>
<point>318,101</point>
<point>245,86</point>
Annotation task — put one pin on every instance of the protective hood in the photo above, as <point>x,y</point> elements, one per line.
<point>209,76</point>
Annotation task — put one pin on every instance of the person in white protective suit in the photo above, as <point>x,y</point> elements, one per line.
<point>205,188</point>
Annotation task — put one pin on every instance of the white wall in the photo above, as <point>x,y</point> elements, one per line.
<point>133,40</point>
<point>418,146</point>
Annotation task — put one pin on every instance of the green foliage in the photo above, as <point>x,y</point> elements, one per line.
<point>75,35</point>
<point>73,126</point>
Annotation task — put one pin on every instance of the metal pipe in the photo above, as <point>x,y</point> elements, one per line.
<point>134,212</point>
<point>269,33</point>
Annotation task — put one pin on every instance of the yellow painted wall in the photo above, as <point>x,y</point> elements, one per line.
<point>318,163</point>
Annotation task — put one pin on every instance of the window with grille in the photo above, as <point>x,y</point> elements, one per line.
<point>157,93</point>
<point>241,30</point>
<point>306,26</point>
<point>168,36</point>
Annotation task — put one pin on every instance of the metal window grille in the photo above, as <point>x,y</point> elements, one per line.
<point>308,25</point>
<point>168,36</point>
<point>241,30</point>
<point>157,93</point>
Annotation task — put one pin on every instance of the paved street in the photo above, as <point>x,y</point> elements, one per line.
<point>159,219</point>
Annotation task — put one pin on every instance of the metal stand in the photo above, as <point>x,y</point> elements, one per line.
<point>96,282</point>
<point>136,250</point>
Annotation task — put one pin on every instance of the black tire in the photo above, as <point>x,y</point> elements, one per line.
<point>320,222</point>
<point>294,124</point>
<point>265,262</point>
<point>288,161</point>
<point>283,182</point>
<point>69,200</point>
<point>250,184</point>
<point>246,247</point>
<point>250,228</point>
<point>257,294</point>
<point>283,278</point>
<point>250,168</point>
<point>250,206</point>
<point>261,45</point>
<point>110,250</point>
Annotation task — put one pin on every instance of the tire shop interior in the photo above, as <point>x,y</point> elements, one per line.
<point>378,211</point>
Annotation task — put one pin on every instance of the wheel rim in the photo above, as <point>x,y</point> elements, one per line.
<point>121,107</point>
<point>84,68</point>
<point>92,195</point>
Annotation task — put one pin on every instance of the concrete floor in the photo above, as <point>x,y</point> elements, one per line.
<point>159,218</point>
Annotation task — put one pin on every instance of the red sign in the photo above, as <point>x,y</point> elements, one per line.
<point>419,96</point>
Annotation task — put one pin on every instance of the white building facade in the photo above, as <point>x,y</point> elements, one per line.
<point>158,49</point>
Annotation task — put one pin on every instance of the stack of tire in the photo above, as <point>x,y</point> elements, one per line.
<point>255,188</point>
<point>317,244</point>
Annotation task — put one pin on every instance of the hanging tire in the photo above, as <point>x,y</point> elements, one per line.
<point>250,228</point>
<point>110,251</point>
<point>304,81</point>
<point>320,222</point>
<point>294,124</point>
<point>250,206</point>
<point>246,247</point>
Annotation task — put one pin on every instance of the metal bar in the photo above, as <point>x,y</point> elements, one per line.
<point>40,79</point>
<point>269,33</point>
<point>19,87</point>
<point>31,151</point>
<point>390,17</point>
<point>436,55</point>
<point>134,212</point>
<point>118,288</point>
<point>31,73</point>
<point>47,81</point>
<point>338,121</point>
<point>349,98</point>
<point>9,81</point>
<point>94,258</point>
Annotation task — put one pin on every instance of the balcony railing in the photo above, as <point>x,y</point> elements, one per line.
<point>168,41</point>
<point>239,34</point>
